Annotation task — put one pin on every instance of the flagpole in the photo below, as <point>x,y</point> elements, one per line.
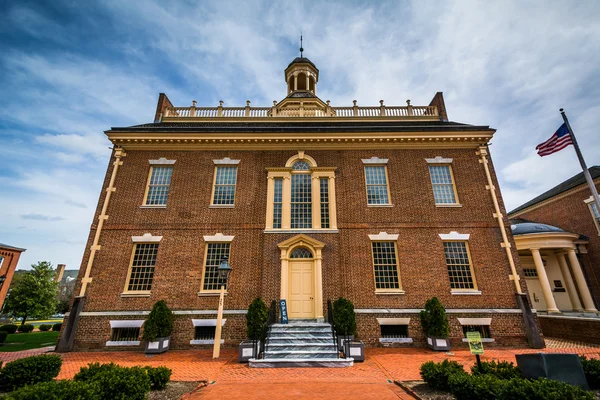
<point>586,172</point>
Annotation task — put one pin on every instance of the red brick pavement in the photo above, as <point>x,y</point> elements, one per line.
<point>7,356</point>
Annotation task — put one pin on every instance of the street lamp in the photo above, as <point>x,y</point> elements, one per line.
<point>224,271</point>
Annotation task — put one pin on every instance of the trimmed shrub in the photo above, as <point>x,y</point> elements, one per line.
<point>434,320</point>
<point>541,389</point>
<point>475,387</point>
<point>31,370</point>
<point>257,320</point>
<point>159,323</point>
<point>25,328</point>
<point>3,336</point>
<point>591,368</point>
<point>10,328</point>
<point>58,390</point>
<point>436,374</point>
<point>45,327</point>
<point>502,369</point>
<point>159,377</point>
<point>344,318</point>
<point>56,327</point>
<point>116,383</point>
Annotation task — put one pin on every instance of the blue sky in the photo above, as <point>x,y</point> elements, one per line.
<point>71,70</point>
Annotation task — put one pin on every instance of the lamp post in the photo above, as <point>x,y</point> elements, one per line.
<point>224,270</point>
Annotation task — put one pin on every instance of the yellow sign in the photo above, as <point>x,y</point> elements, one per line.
<point>475,344</point>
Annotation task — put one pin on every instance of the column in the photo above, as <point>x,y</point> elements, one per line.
<point>316,202</point>
<point>270,196</point>
<point>571,289</point>
<point>286,197</point>
<point>332,204</point>
<point>544,283</point>
<point>319,285</point>
<point>307,82</point>
<point>584,291</point>
<point>284,275</point>
<point>295,82</point>
<point>315,91</point>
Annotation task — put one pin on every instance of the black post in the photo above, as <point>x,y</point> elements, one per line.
<point>478,362</point>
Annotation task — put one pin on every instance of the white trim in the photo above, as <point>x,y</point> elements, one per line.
<point>226,161</point>
<point>453,235</point>
<point>127,323</point>
<point>395,340</point>
<point>210,341</point>
<point>374,160</point>
<point>448,311</point>
<point>161,161</point>
<point>438,160</point>
<point>207,322</point>
<point>384,236</point>
<point>589,200</point>
<point>483,340</point>
<point>393,321</point>
<point>141,313</point>
<point>219,238</point>
<point>475,321</point>
<point>465,292</point>
<point>146,238</point>
<point>123,343</point>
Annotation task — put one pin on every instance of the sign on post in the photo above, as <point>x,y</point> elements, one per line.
<point>475,344</point>
<point>283,311</point>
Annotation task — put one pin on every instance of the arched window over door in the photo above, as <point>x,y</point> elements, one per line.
<point>301,252</point>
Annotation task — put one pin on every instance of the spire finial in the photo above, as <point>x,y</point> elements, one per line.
<point>301,48</point>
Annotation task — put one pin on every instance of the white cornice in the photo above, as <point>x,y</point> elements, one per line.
<point>207,322</point>
<point>129,323</point>
<point>226,161</point>
<point>161,161</point>
<point>474,321</point>
<point>146,238</point>
<point>218,238</point>
<point>453,235</point>
<point>374,160</point>
<point>438,160</point>
<point>384,236</point>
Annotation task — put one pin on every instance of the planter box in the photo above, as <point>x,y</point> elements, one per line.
<point>438,343</point>
<point>160,345</point>
<point>355,350</point>
<point>248,349</point>
<point>560,367</point>
<point>341,339</point>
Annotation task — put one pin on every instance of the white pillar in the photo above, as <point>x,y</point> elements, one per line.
<point>319,285</point>
<point>571,290</point>
<point>316,202</point>
<point>544,282</point>
<point>307,83</point>
<point>295,82</point>
<point>584,291</point>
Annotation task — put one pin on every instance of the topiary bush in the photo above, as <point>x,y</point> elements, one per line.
<point>114,382</point>
<point>10,328</point>
<point>257,319</point>
<point>56,327</point>
<point>45,327</point>
<point>3,336</point>
<point>25,328</point>
<point>56,390</point>
<point>436,374</point>
<point>434,320</point>
<point>159,323</point>
<point>502,369</point>
<point>344,318</point>
<point>31,370</point>
<point>541,389</point>
<point>159,377</point>
<point>591,368</point>
<point>475,387</point>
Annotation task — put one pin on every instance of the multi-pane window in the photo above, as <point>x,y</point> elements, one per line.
<point>158,186</point>
<point>124,334</point>
<point>530,272</point>
<point>204,332</point>
<point>324,187</point>
<point>394,331</point>
<point>443,186</point>
<point>596,214</point>
<point>215,253</point>
<point>377,185</point>
<point>224,190</point>
<point>484,330</point>
<point>385,265</point>
<point>142,267</point>
<point>301,252</point>
<point>277,202</point>
<point>459,265</point>
<point>301,201</point>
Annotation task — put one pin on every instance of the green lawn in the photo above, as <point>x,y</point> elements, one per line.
<point>26,341</point>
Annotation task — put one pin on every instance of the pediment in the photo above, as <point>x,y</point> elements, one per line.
<point>301,239</point>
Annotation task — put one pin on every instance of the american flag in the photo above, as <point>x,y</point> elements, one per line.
<point>557,142</point>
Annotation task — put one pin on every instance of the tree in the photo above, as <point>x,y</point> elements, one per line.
<point>34,295</point>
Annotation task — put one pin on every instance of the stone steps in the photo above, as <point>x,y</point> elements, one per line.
<point>301,363</point>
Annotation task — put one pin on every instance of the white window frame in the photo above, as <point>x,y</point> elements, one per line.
<point>439,161</point>
<point>590,203</point>
<point>377,162</point>
<point>386,237</point>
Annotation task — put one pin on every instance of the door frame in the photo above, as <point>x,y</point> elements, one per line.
<point>287,247</point>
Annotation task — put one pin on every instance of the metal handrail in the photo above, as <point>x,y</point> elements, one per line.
<point>333,333</point>
<point>270,321</point>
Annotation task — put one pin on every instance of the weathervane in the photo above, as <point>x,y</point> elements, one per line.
<point>301,49</point>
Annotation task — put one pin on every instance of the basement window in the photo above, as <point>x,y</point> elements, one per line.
<point>204,331</point>
<point>481,325</point>
<point>394,330</point>
<point>125,333</point>
<point>483,330</point>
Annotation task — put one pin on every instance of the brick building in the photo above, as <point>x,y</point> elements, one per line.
<point>387,206</point>
<point>9,258</point>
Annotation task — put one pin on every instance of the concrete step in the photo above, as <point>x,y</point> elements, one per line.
<point>302,346</point>
<point>304,354</point>
<point>302,324</point>
<point>301,331</point>
<point>301,363</point>
<point>300,340</point>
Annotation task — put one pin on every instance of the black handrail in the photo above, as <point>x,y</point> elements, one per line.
<point>270,321</point>
<point>330,320</point>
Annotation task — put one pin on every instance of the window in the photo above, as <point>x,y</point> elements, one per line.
<point>224,188</point>
<point>124,334</point>
<point>301,200</point>
<point>394,331</point>
<point>595,214</point>
<point>204,332</point>
<point>324,186</point>
<point>301,252</point>
<point>385,266</point>
<point>377,185</point>
<point>159,182</point>
<point>444,191</point>
<point>530,272</point>
<point>215,252</point>
<point>484,330</point>
<point>141,271</point>
<point>459,265</point>
<point>277,203</point>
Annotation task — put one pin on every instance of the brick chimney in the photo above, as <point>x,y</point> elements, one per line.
<point>163,103</point>
<point>60,270</point>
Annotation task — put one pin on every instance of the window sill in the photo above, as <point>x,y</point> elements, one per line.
<point>449,205</point>
<point>466,292</point>
<point>301,231</point>
<point>380,205</point>
<point>390,292</point>
<point>395,340</point>
<point>123,343</point>
<point>157,206</point>
<point>133,294</point>
<point>221,206</point>
<point>209,341</point>
<point>483,340</point>
<point>209,294</point>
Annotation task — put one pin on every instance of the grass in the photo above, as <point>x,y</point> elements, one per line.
<point>39,322</point>
<point>27,341</point>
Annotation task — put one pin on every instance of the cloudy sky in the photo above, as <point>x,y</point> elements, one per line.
<point>71,69</point>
